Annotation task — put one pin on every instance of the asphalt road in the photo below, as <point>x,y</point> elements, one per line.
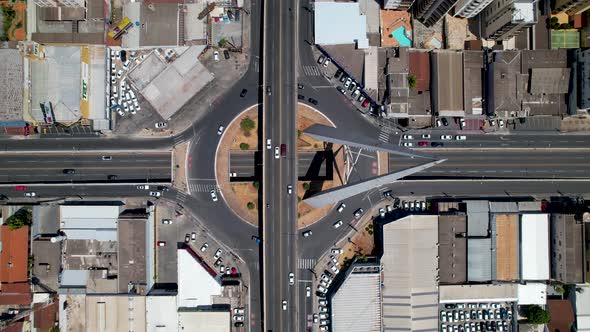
<point>279,117</point>
<point>89,167</point>
<point>244,164</point>
<point>502,163</point>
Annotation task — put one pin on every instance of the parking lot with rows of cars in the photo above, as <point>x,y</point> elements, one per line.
<point>122,98</point>
<point>476,317</point>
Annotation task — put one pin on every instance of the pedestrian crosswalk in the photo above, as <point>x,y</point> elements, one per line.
<point>181,196</point>
<point>201,187</point>
<point>306,263</point>
<point>256,66</point>
<point>312,71</point>
<point>384,136</point>
<point>180,139</point>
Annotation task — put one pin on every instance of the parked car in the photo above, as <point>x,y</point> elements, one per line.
<point>220,130</point>
<point>327,62</point>
<point>337,224</point>
<point>161,243</point>
<point>204,247</point>
<point>216,56</point>
<point>307,234</point>
<point>321,59</point>
<point>161,125</point>
<point>167,221</point>
<point>359,212</point>
<point>218,253</point>
<point>193,236</point>
<point>155,194</point>
<point>336,251</point>
<point>313,101</point>
<point>226,54</point>
<point>341,207</point>
<point>446,137</point>
<point>30,194</point>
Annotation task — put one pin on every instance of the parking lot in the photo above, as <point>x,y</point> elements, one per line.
<point>476,317</point>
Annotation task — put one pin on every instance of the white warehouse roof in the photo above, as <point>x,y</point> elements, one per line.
<point>532,293</point>
<point>195,285</point>
<point>534,246</point>
<point>356,306</point>
<point>89,222</point>
<point>160,313</point>
<point>340,23</point>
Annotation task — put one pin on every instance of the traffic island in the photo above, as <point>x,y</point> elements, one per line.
<point>240,139</point>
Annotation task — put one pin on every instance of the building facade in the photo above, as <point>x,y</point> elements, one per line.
<point>397,4</point>
<point>571,7</point>
<point>60,3</point>
<point>429,12</point>
<point>470,8</point>
<point>503,19</point>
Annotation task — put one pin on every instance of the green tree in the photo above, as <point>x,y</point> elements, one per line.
<point>244,146</point>
<point>536,315</point>
<point>19,219</point>
<point>565,26</point>
<point>256,184</point>
<point>299,132</point>
<point>306,186</point>
<point>247,124</point>
<point>554,19</point>
<point>250,206</point>
<point>298,199</point>
<point>412,81</point>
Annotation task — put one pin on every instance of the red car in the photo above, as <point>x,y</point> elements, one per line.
<point>365,103</point>
<point>423,143</point>
<point>20,188</point>
<point>284,150</point>
<point>161,243</point>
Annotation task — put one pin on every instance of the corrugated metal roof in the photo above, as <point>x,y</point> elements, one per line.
<point>410,295</point>
<point>356,306</point>
<point>420,68</point>
<point>478,293</point>
<point>452,249</point>
<point>479,259</point>
<point>534,246</point>
<point>503,207</point>
<point>478,220</point>
<point>74,278</point>
<point>532,293</point>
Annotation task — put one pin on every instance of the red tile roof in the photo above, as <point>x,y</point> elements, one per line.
<point>562,315</point>
<point>15,293</point>
<point>15,327</point>
<point>420,67</point>
<point>14,256</point>
<point>45,317</point>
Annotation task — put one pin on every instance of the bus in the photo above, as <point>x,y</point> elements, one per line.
<point>123,26</point>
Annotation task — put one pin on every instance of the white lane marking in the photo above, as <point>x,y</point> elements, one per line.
<point>306,263</point>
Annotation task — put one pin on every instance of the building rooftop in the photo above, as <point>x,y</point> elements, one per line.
<point>196,286</point>
<point>356,305</point>
<point>350,27</point>
<point>532,293</point>
<point>420,68</point>
<point>478,293</point>
<point>15,254</point>
<point>161,313</point>
<point>479,259</point>
<point>115,312</point>
<point>534,247</point>
<point>159,25</point>
<point>45,317</point>
<point>11,81</point>
<point>132,259</point>
<point>582,307</point>
<point>89,222</point>
<point>47,264</point>
<point>452,249</point>
<point>567,262</point>
<point>507,247</point>
<point>473,78</point>
<point>447,92</point>
<point>478,218</point>
<point>210,321</point>
<point>410,295</point>
<point>18,293</point>
<point>562,315</point>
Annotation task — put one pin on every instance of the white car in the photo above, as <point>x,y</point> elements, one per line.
<point>307,233</point>
<point>120,111</point>
<point>336,251</point>
<point>382,212</point>
<point>277,155</point>
<point>322,309</point>
<point>334,269</point>
<point>238,318</point>
<point>425,136</point>
<point>167,221</point>
<point>144,187</point>
<point>323,328</point>
<point>284,305</point>
<point>327,62</point>
<point>268,144</point>
<point>438,123</point>
<point>119,73</point>
<point>127,95</point>
<point>136,104</point>
<point>218,254</point>
<point>216,56</point>
<point>337,224</point>
<point>161,125</point>
<point>204,247</point>
<point>501,123</point>
<point>411,206</point>
<point>321,289</point>
<point>114,79</point>
<point>289,189</point>
<point>405,205</point>
<point>307,291</point>
<point>132,94</point>
<point>132,109</point>
<point>408,137</point>
<point>462,123</point>
<point>31,194</point>
<point>125,106</point>
<point>220,130</point>
<point>239,311</point>
<point>347,83</point>
<point>341,207</point>
<point>423,205</point>
<point>155,194</point>
<point>126,64</point>
<point>446,137</point>
<point>291,278</point>
<point>193,236</point>
<point>213,195</point>
<point>460,137</point>
<point>408,144</point>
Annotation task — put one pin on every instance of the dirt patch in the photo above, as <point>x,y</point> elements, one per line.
<point>241,136</point>
<point>306,118</point>
<point>362,244</point>
<point>246,194</point>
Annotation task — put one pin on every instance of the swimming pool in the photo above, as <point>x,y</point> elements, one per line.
<point>400,35</point>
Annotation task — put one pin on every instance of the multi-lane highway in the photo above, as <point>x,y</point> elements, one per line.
<point>86,167</point>
<point>309,164</point>
<point>502,163</point>
<point>279,219</point>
